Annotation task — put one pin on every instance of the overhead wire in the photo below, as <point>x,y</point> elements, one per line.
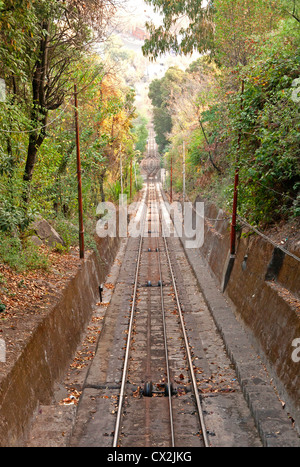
<point>254,229</point>
<point>251,227</point>
<point>40,127</point>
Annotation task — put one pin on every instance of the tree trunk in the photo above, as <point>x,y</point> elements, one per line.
<point>35,141</point>
<point>34,144</point>
<point>39,112</point>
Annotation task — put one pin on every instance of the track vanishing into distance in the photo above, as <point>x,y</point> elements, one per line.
<point>160,350</point>
<point>161,376</point>
<point>155,294</point>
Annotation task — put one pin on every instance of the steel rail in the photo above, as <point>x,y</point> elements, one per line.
<point>165,331</point>
<point>187,346</point>
<point>127,353</point>
<point>126,360</point>
<point>132,313</point>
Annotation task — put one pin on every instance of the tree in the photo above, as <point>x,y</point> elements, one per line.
<point>107,114</point>
<point>161,94</point>
<point>217,27</point>
<point>53,39</point>
<point>244,117</point>
<point>187,26</point>
<point>63,35</point>
<point>141,132</point>
<point>238,23</point>
<point>290,8</point>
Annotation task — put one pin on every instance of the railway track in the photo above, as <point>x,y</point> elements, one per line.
<point>151,164</point>
<point>157,333</point>
<point>160,377</point>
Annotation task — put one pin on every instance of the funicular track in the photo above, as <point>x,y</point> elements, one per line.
<point>161,376</point>
<point>157,328</point>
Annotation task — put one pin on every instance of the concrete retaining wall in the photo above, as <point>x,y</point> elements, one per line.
<point>264,287</point>
<point>51,346</point>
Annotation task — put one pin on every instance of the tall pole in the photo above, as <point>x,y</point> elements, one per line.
<point>236,184</point>
<point>183,171</point>
<point>135,174</point>
<point>121,170</point>
<point>80,208</point>
<point>131,180</point>
<point>234,213</point>
<point>171,182</point>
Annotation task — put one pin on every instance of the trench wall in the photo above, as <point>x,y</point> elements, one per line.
<point>52,344</point>
<point>264,288</point>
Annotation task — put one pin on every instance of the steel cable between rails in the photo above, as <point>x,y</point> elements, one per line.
<point>165,329</point>
<point>187,346</point>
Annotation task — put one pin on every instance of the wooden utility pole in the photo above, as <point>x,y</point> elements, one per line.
<point>183,170</point>
<point>236,184</point>
<point>80,208</point>
<point>171,182</point>
<point>131,180</point>
<point>121,171</point>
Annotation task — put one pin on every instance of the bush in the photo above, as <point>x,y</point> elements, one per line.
<point>22,256</point>
<point>12,218</point>
<point>68,231</point>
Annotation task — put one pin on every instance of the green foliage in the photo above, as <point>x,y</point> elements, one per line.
<point>162,126</point>
<point>114,191</point>
<point>48,42</point>
<point>269,154</point>
<point>12,218</point>
<point>21,255</point>
<point>236,23</point>
<point>160,92</point>
<point>68,231</point>
<point>256,129</point>
<point>141,133</point>
<point>198,34</point>
<point>196,148</point>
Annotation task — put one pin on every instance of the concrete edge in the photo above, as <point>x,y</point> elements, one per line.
<point>273,423</point>
<point>55,418</point>
<point>30,381</point>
